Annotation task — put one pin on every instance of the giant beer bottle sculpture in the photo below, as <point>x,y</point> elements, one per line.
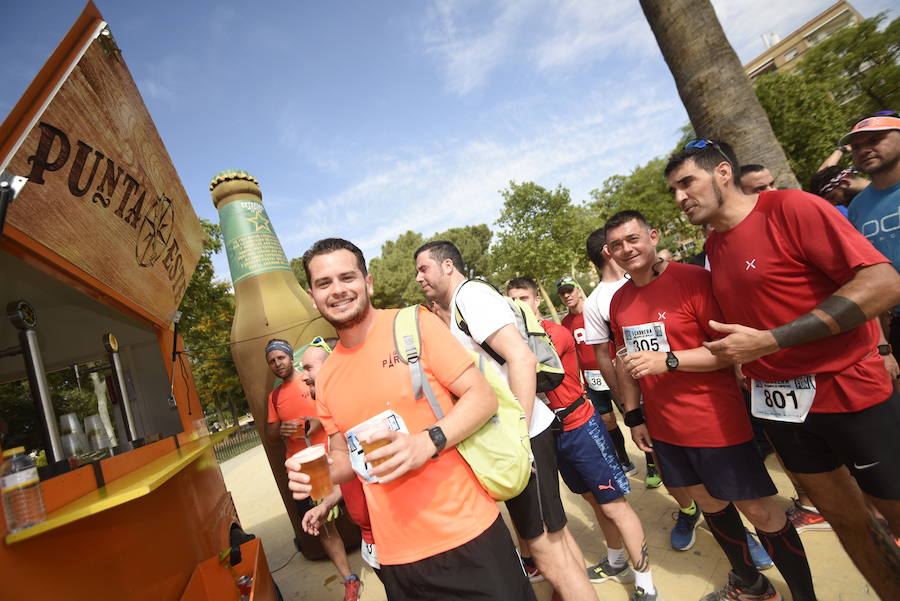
<point>269,303</point>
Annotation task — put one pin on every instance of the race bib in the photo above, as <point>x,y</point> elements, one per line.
<point>594,380</point>
<point>787,401</point>
<point>646,337</point>
<point>386,420</point>
<point>369,554</point>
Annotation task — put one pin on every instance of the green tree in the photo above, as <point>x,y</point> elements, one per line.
<point>645,190</point>
<point>207,312</point>
<point>394,272</point>
<point>299,273</point>
<point>805,116</point>
<point>851,74</point>
<point>542,234</point>
<point>473,242</point>
<point>861,65</point>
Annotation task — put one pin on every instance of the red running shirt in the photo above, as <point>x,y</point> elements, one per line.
<point>574,322</point>
<point>570,390</point>
<point>788,255</point>
<point>682,408</point>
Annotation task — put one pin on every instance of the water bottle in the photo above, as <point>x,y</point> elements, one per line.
<point>23,503</point>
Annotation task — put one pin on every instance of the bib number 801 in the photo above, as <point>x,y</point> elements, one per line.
<point>776,398</point>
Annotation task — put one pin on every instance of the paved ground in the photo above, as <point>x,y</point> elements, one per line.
<point>680,576</point>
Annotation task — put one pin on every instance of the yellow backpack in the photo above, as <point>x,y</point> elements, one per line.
<point>499,452</point>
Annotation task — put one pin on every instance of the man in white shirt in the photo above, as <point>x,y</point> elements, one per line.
<point>489,328</point>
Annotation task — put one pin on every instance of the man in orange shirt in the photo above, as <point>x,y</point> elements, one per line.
<point>439,534</point>
<point>291,418</point>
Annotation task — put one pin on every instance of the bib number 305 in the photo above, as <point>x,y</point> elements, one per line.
<point>787,401</point>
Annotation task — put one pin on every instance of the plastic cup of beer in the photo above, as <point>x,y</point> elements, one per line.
<point>299,428</point>
<point>314,463</point>
<point>362,433</point>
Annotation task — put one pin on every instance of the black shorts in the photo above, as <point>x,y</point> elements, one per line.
<point>486,567</point>
<point>603,400</point>
<point>732,473</point>
<point>867,442</point>
<point>539,505</point>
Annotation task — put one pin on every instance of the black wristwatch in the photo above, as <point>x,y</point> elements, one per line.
<point>438,438</point>
<point>633,418</point>
<point>671,361</point>
<point>884,349</point>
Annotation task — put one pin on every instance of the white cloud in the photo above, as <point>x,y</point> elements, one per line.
<point>454,185</point>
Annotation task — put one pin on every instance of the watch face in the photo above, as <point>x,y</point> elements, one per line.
<point>671,361</point>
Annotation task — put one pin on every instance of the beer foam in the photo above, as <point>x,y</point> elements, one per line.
<point>310,453</point>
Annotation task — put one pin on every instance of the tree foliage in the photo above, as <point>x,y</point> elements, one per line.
<point>861,62</point>
<point>207,312</point>
<point>645,190</point>
<point>394,272</point>
<point>851,74</point>
<point>542,234</point>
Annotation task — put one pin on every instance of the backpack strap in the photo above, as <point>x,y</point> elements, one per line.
<point>408,344</point>
<point>462,325</point>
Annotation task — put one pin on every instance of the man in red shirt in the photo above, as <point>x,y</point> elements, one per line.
<point>798,287</point>
<point>588,463</point>
<point>696,420</point>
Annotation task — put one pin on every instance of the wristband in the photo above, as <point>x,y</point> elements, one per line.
<point>633,418</point>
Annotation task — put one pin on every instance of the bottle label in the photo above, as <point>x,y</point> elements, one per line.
<point>19,480</point>
<point>250,241</point>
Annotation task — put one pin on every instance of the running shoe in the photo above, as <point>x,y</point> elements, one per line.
<point>760,558</point>
<point>762,590</point>
<point>640,594</point>
<point>629,468</point>
<point>683,535</point>
<point>352,586</point>
<point>803,519</point>
<point>533,573</point>
<point>603,571</point>
<point>653,479</point>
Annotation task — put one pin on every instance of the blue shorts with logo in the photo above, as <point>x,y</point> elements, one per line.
<point>587,461</point>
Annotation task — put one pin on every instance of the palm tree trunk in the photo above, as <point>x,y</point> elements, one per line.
<point>716,92</point>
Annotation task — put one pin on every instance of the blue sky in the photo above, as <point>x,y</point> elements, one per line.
<point>365,119</point>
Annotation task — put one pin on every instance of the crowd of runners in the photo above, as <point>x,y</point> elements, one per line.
<point>781,335</point>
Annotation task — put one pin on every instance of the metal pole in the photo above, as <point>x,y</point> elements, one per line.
<point>40,389</point>
<point>131,432</point>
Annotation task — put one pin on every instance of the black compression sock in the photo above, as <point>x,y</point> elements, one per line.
<point>786,550</point>
<point>649,458</point>
<point>728,529</point>
<point>619,443</point>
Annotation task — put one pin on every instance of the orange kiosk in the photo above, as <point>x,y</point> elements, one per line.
<point>98,241</point>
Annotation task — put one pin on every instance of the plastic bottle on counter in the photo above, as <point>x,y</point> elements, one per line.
<point>23,502</point>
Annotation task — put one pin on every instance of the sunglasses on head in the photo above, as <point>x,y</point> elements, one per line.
<point>566,281</point>
<point>320,342</point>
<point>704,143</point>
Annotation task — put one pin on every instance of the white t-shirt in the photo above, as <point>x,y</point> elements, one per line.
<point>596,311</point>
<point>485,312</point>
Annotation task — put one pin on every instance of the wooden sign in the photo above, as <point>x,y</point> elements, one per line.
<point>101,190</point>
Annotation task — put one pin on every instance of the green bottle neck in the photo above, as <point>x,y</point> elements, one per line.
<point>251,245</point>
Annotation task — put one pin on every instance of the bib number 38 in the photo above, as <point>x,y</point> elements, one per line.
<point>787,401</point>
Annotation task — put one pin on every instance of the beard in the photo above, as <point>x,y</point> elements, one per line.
<point>354,317</point>
<point>885,166</point>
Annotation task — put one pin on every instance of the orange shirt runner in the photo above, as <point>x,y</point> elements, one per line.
<point>292,401</point>
<point>439,506</point>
